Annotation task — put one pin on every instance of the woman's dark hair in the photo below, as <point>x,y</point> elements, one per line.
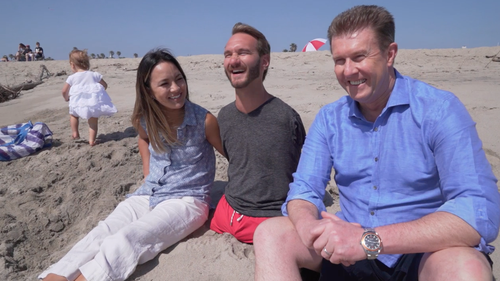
<point>146,106</point>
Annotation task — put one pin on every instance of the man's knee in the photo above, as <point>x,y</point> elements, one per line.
<point>277,237</point>
<point>270,234</point>
<point>273,228</point>
<point>274,231</point>
<point>460,263</point>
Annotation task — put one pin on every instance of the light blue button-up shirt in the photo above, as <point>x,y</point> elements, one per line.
<point>421,155</point>
<point>186,169</point>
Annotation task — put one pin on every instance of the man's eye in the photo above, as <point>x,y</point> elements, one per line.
<point>359,58</point>
<point>339,62</point>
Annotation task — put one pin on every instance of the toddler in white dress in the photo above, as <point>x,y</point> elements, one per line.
<point>86,92</point>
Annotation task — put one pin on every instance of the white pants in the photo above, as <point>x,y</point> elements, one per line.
<point>132,234</point>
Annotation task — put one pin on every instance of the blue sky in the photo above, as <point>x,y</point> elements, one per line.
<point>193,27</point>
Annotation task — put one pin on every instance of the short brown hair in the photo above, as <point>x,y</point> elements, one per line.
<point>80,59</point>
<point>365,16</point>
<point>263,46</point>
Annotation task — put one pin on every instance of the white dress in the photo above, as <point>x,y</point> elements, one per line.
<point>87,97</point>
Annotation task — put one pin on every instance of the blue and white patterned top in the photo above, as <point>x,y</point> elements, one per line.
<point>186,169</point>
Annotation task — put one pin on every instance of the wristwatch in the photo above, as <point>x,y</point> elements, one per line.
<point>371,243</point>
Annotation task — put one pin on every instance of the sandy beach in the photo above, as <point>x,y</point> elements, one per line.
<point>50,200</point>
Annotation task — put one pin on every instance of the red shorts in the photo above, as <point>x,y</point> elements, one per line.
<point>226,219</point>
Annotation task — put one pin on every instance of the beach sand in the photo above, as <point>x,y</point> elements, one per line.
<point>50,200</point>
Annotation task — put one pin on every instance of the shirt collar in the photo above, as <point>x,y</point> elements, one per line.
<point>399,96</point>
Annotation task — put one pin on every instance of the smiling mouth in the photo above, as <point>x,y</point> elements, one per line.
<point>358,82</point>
<point>175,97</point>
<point>237,71</point>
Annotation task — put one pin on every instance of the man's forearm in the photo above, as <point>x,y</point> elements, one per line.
<point>304,216</point>
<point>301,210</point>
<point>430,233</point>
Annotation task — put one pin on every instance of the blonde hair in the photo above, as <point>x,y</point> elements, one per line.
<point>148,108</point>
<point>80,59</point>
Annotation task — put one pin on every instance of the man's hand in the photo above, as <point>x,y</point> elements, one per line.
<point>339,238</point>
<point>304,228</point>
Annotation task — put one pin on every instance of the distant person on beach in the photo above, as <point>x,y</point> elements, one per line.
<point>28,53</point>
<point>176,144</point>
<point>20,55</point>
<point>418,198</point>
<point>39,52</point>
<point>85,91</point>
<point>262,137</point>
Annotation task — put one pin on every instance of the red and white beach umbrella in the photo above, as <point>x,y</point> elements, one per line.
<point>314,45</point>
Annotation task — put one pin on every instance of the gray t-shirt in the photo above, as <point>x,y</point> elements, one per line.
<point>263,148</point>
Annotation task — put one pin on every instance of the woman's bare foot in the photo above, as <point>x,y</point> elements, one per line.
<point>75,136</point>
<point>54,277</point>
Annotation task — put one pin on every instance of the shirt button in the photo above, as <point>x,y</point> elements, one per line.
<point>372,213</point>
<point>376,129</point>
<point>376,159</point>
<point>374,187</point>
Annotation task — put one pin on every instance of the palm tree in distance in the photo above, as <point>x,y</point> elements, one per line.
<point>135,55</point>
<point>118,53</point>
<point>293,47</point>
<point>75,48</point>
<point>102,55</point>
<point>111,54</point>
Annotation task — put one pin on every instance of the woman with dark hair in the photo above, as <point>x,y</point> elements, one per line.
<point>176,140</point>
<point>20,55</point>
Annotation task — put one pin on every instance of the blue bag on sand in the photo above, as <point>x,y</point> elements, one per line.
<point>21,140</point>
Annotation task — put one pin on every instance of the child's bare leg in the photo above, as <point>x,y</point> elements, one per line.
<point>92,131</point>
<point>54,277</point>
<point>74,127</point>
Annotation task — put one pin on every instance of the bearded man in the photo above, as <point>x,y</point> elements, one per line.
<point>262,138</point>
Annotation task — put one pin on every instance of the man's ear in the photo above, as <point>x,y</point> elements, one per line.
<point>392,51</point>
<point>266,60</point>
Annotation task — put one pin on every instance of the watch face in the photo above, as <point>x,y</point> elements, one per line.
<point>372,242</point>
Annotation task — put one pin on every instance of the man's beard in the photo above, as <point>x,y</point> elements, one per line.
<point>253,73</point>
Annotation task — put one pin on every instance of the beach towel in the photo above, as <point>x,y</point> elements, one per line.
<point>21,140</point>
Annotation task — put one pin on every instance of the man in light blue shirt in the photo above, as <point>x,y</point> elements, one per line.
<point>418,198</point>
